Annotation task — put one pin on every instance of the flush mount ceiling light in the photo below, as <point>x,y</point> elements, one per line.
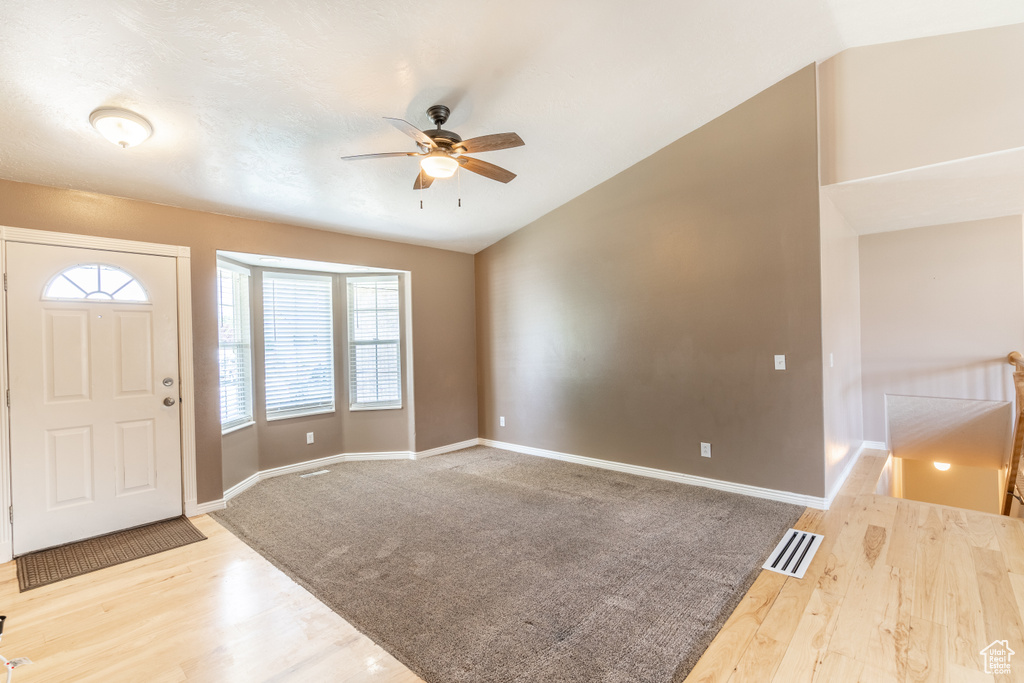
<point>941,466</point>
<point>121,126</point>
<point>439,165</point>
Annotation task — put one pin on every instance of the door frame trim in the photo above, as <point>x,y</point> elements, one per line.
<point>182,255</point>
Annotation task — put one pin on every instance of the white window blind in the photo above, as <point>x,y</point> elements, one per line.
<point>299,344</point>
<point>375,374</point>
<point>234,345</point>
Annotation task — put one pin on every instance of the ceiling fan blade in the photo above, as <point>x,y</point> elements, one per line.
<point>412,131</point>
<point>382,155</point>
<point>422,181</point>
<point>490,143</point>
<point>486,170</point>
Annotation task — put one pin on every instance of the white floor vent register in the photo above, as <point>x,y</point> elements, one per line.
<point>794,553</point>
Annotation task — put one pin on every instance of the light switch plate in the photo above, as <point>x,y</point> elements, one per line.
<point>780,362</point>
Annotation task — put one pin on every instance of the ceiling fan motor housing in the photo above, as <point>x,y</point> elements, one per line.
<point>438,114</point>
<point>444,139</point>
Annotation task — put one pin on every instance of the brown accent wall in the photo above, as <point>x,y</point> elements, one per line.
<point>642,317</point>
<point>442,294</point>
<point>240,455</point>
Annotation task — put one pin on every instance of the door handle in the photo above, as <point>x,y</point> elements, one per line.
<point>168,401</point>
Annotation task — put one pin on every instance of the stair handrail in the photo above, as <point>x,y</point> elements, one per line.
<point>1015,359</point>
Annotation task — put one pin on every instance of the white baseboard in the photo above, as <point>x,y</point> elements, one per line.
<point>838,486</point>
<point>6,552</point>
<point>256,478</point>
<point>332,460</point>
<point>241,486</point>
<point>440,450</point>
<point>385,455</point>
<point>300,466</point>
<point>744,489</point>
<point>204,508</point>
<point>694,480</point>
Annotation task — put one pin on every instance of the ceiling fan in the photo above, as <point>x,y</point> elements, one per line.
<point>441,151</point>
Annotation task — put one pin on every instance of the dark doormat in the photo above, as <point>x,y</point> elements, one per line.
<point>74,559</point>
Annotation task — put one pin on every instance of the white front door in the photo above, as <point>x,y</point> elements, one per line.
<point>93,358</point>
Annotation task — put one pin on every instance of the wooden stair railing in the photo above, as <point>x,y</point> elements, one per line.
<point>1017,361</point>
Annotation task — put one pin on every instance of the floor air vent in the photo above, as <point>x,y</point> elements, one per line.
<point>794,553</point>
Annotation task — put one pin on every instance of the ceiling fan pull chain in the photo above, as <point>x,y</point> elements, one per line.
<point>458,179</point>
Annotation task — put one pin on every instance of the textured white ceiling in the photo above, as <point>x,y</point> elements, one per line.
<point>253,102</point>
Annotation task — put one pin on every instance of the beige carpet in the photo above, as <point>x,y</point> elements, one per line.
<point>490,566</point>
<point>74,559</point>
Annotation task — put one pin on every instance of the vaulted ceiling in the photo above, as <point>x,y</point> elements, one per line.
<point>253,103</point>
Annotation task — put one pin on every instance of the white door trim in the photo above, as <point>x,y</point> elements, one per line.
<point>185,368</point>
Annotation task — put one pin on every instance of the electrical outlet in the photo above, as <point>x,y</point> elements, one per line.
<point>309,437</point>
<point>780,362</point>
<point>501,421</point>
<point>705,450</point>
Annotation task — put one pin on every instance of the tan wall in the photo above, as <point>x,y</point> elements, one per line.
<point>840,343</point>
<point>442,295</point>
<point>642,317</point>
<point>903,105</point>
<point>240,455</point>
<point>941,306</point>
<point>283,442</point>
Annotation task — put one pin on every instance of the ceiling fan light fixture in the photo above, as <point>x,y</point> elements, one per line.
<point>122,127</point>
<point>439,165</point>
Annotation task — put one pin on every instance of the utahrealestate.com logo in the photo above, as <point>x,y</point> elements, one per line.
<point>997,657</point>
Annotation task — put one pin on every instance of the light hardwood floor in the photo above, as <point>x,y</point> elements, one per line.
<point>899,591</point>
<point>213,611</point>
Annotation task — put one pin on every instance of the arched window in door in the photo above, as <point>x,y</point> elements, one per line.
<point>95,281</point>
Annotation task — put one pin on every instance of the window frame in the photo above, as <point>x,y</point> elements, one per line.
<point>241,301</point>
<point>313,407</point>
<point>88,296</point>
<point>354,404</point>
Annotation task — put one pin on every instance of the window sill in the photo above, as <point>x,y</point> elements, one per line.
<point>359,409</point>
<point>250,423</point>
<point>292,416</point>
